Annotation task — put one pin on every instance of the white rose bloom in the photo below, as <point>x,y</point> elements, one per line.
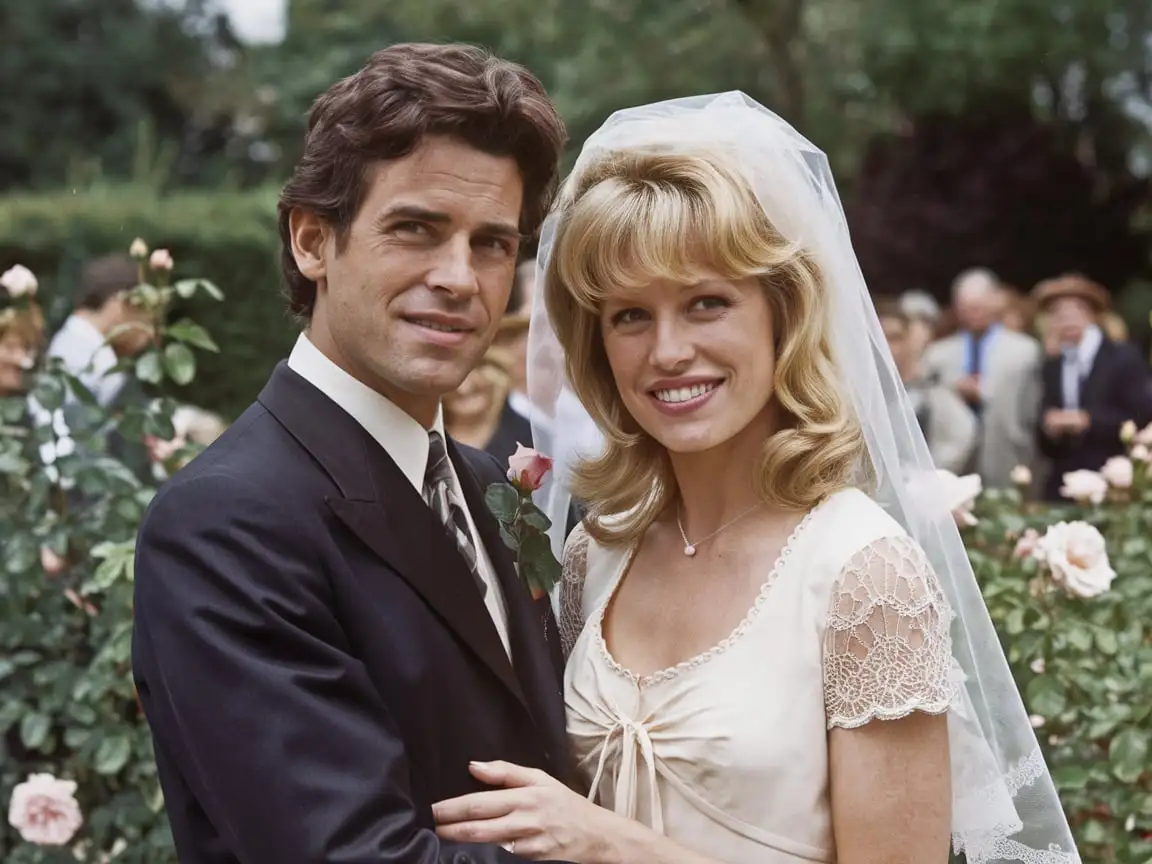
<point>19,281</point>
<point>1118,472</point>
<point>960,494</point>
<point>1021,475</point>
<point>1077,557</point>
<point>1084,486</point>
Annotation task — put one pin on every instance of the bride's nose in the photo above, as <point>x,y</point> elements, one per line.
<point>672,348</point>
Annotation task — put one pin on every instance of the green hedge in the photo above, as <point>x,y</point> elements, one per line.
<point>228,237</point>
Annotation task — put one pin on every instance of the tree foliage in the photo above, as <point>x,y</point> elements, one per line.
<point>994,188</point>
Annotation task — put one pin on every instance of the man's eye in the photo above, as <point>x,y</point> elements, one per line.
<point>498,244</point>
<point>409,228</point>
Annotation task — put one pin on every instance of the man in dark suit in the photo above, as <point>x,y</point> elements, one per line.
<point>1091,387</point>
<point>328,627</point>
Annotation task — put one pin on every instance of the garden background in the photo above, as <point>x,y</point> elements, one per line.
<point>1012,134</point>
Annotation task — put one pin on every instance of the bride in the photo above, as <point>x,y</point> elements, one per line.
<point>777,651</point>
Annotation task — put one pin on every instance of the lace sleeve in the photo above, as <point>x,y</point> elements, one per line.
<point>572,588</point>
<point>887,649</point>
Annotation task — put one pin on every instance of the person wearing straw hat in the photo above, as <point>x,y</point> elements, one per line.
<point>1091,386</point>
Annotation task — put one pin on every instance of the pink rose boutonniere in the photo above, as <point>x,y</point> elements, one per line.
<point>523,526</point>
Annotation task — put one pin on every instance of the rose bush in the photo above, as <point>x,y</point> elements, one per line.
<point>1069,588</point>
<point>76,761</point>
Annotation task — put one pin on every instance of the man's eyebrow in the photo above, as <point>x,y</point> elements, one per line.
<point>423,214</point>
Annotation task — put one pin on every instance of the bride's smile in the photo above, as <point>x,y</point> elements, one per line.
<point>694,363</point>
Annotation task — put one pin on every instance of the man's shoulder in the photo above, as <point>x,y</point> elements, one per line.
<point>255,458</point>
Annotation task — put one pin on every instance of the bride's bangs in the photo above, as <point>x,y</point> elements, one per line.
<point>678,217</point>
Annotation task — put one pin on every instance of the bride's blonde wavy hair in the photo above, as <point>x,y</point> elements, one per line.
<point>634,216</point>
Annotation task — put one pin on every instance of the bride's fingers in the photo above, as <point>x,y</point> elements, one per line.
<point>507,774</point>
<point>503,830</point>
<point>477,806</point>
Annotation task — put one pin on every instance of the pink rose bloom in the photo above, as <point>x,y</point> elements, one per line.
<point>44,810</point>
<point>1084,487</point>
<point>1144,436</point>
<point>161,260</point>
<point>1026,545</point>
<point>527,467</point>
<point>1118,472</point>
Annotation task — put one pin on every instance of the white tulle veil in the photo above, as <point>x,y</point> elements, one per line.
<point>1005,807</point>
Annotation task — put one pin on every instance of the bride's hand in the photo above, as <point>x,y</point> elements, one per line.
<point>540,815</point>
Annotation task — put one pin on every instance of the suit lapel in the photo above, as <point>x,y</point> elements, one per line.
<point>380,506</point>
<point>532,630</point>
<point>1099,368</point>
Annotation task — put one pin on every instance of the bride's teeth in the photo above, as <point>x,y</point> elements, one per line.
<point>442,328</point>
<point>683,394</point>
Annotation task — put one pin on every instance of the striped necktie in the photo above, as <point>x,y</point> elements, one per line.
<point>441,497</point>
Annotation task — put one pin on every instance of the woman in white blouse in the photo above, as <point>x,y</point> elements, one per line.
<point>760,658</point>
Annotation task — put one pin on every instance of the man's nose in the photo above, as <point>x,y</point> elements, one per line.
<point>453,270</point>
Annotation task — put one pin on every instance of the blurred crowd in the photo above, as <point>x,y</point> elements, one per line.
<point>999,378</point>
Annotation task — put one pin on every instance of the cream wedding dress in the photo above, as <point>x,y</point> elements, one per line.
<point>727,753</point>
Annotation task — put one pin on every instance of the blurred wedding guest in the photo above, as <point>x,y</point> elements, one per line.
<point>1091,386</point>
<point>477,413</point>
<point>21,330</point>
<point>1018,311</point>
<point>103,327</point>
<point>947,423</point>
<point>995,371</point>
<point>512,337</point>
<point>923,315</point>
<point>194,429</point>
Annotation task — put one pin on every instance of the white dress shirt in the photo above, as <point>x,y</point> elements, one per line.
<point>89,357</point>
<point>1077,363</point>
<point>406,443</point>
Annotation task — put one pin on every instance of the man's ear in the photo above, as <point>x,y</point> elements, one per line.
<point>310,235</point>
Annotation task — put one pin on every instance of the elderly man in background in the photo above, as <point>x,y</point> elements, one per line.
<point>995,371</point>
<point>1091,386</point>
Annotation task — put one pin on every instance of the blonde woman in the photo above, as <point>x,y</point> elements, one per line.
<point>763,660</point>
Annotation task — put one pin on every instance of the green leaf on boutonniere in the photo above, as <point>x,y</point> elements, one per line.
<point>534,518</point>
<point>507,536</point>
<point>503,501</point>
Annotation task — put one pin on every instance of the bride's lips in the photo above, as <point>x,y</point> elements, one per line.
<point>687,406</point>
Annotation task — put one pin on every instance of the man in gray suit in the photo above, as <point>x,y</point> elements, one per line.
<point>995,371</point>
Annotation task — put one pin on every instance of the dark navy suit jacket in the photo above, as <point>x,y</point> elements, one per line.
<point>312,655</point>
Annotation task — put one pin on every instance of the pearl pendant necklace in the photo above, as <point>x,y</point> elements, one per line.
<point>690,547</point>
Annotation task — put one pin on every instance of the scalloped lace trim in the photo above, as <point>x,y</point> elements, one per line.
<point>887,648</point>
<point>995,844</point>
<point>732,638</point>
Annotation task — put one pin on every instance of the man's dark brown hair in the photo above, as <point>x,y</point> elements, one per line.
<point>405,93</point>
<point>104,278</point>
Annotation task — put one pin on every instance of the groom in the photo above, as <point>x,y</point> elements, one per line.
<point>328,627</point>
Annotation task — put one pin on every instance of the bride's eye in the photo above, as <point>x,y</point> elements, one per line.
<point>709,304</point>
<point>627,316</point>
